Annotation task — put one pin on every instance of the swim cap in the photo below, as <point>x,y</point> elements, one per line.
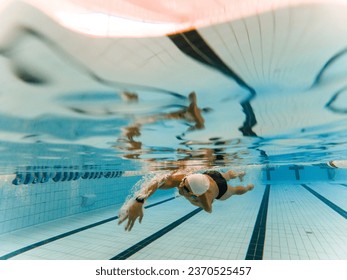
<point>199,183</point>
<point>338,163</point>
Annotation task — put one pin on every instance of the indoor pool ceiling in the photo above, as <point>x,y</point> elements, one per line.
<point>270,81</point>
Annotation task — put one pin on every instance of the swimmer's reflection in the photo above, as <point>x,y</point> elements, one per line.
<point>192,114</point>
<point>206,157</point>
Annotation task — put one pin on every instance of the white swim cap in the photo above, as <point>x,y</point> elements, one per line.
<point>338,163</point>
<point>199,183</point>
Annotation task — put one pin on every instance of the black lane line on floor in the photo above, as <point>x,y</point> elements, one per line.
<point>333,206</point>
<point>256,245</point>
<point>63,235</point>
<point>143,243</point>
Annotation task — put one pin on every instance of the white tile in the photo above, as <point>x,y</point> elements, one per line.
<point>304,226</point>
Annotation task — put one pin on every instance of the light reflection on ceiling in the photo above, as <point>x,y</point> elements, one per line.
<point>142,18</point>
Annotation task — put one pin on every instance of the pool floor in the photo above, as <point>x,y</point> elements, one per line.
<point>280,221</point>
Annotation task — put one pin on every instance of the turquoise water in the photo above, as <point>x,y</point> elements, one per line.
<point>83,119</point>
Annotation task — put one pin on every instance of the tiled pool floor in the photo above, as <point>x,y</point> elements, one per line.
<point>280,221</point>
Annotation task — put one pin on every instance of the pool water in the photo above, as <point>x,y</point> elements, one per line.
<point>84,119</point>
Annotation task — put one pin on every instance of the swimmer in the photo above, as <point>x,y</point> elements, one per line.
<point>200,189</point>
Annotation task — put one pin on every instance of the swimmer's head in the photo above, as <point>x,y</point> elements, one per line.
<point>198,183</point>
<point>196,188</point>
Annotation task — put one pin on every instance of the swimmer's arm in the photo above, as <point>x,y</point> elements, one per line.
<point>134,210</point>
<point>169,182</point>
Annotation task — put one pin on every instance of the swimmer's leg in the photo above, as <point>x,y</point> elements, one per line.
<point>232,175</point>
<point>238,190</point>
<point>241,189</point>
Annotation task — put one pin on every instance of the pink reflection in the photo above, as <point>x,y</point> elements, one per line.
<point>139,18</point>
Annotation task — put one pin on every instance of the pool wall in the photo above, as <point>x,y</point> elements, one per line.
<point>303,173</point>
<point>25,205</point>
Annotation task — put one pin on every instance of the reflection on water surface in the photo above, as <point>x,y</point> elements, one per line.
<point>266,88</point>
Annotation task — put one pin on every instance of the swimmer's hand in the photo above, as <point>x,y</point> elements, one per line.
<point>134,211</point>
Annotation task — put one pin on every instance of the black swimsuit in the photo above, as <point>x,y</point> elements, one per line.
<point>220,181</point>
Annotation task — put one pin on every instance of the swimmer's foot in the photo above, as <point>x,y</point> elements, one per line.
<point>250,187</point>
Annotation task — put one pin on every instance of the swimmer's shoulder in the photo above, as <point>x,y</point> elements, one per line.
<point>171,180</point>
<point>174,178</point>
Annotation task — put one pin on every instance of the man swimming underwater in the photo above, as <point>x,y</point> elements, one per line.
<point>200,189</point>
